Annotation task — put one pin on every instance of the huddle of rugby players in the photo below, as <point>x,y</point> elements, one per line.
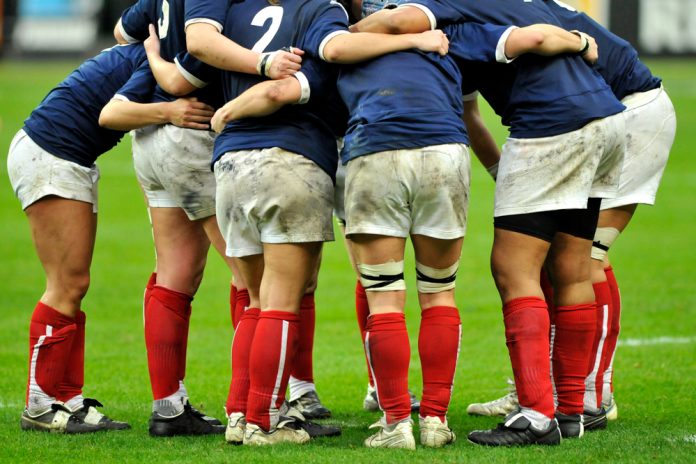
<point>237,109</point>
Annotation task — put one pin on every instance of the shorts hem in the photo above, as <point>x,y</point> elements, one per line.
<point>509,211</point>
<point>376,231</point>
<point>610,203</point>
<point>47,192</point>
<point>441,235</point>
<point>277,239</point>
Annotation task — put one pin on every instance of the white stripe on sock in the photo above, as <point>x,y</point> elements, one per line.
<point>590,380</point>
<point>369,365</point>
<point>272,410</point>
<point>34,388</point>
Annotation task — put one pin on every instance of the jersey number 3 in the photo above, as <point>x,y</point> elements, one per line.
<point>163,22</point>
<point>275,14</point>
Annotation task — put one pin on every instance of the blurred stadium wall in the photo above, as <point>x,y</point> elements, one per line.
<point>655,27</point>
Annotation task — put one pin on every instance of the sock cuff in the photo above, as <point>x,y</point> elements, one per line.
<point>170,297</point>
<point>47,315</point>
<point>250,313</point>
<point>437,312</point>
<point>242,292</point>
<point>577,307</point>
<point>386,321</point>
<point>151,281</point>
<point>524,302</point>
<point>280,315</point>
<point>80,318</point>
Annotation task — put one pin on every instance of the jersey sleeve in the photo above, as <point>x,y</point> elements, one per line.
<point>139,87</point>
<point>330,21</point>
<point>194,71</point>
<point>478,42</point>
<point>136,19</point>
<point>211,12</point>
<point>313,79</point>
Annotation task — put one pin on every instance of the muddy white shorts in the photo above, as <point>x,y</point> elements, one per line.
<point>562,171</point>
<point>172,165</point>
<point>271,196</point>
<point>423,191</point>
<point>35,173</point>
<point>650,128</point>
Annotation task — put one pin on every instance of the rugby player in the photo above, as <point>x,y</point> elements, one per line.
<point>297,141</point>
<point>563,154</point>
<point>650,126</point>
<point>62,137</point>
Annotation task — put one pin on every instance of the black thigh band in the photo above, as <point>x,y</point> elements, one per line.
<point>544,225</point>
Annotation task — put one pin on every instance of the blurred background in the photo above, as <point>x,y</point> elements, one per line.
<point>81,27</point>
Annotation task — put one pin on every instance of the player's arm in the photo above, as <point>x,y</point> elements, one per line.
<point>261,99</point>
<point>481,141</point>
<point>549,40</point>
<point>126,115</point>
<point>355,47</point>
<point>205,42</point>
<point>166,73</point>
<point>402,20</point>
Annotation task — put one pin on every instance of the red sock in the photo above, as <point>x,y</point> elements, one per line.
<point>241,347</point>
<point>438,346</point>
<point>607,366</point>
<point>302,366</point>
<point>233,305</point>
<point>527,339</point>
<point>240,304</point>
<point>151,282</point>
<point>389,352</point>
<point>51,336</point>
<point>74,377</point>
<point>575,331</point>
<point>362,310</point>
<point>166,331</point>
<point>594,380</point>
<point>272,352</point>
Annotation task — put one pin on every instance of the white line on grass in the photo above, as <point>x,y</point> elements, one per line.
<point>690,438</point>
<point>657,341</point>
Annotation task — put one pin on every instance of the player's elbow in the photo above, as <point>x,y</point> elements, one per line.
<point>107,117</point>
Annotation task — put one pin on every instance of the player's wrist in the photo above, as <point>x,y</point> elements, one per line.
<point>584,43</point>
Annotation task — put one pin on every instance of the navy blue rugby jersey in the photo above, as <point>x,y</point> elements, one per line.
<point>307,129</point>
<point>168,17</point>
<point>618,61</point>
<point>549,95</point>
<point>66,123</point>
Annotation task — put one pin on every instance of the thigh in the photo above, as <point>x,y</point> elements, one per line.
<point>516,261</point>
<point>288,269</point>
<point>181,247</point>
<point>64,233</point>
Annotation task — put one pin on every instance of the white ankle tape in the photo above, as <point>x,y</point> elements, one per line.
<point>432,280</point>
<point>384,277</point>
<point>603,240</point>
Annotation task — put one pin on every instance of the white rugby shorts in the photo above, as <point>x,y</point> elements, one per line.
<point>650,128</point>
<point>35,173</point>
<point>271,196</point>
<point>172,165</point>
<point>562,171</point>
<point>397,193</point>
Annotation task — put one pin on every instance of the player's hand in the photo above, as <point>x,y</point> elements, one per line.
<point>284,64</point>
<point>190,113</point>
<point>432,41</point>
<point>152,43</point>
<point>220,119</point>
<point>592,54</point>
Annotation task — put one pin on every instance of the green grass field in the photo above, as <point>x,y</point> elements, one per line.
<point>655,261</point>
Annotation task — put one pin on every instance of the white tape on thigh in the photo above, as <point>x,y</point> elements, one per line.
<point>603,240</point>
<point>432,280</point>
<point>385,277</point>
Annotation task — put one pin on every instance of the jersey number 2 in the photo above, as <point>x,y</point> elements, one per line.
<point>275,14</point>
